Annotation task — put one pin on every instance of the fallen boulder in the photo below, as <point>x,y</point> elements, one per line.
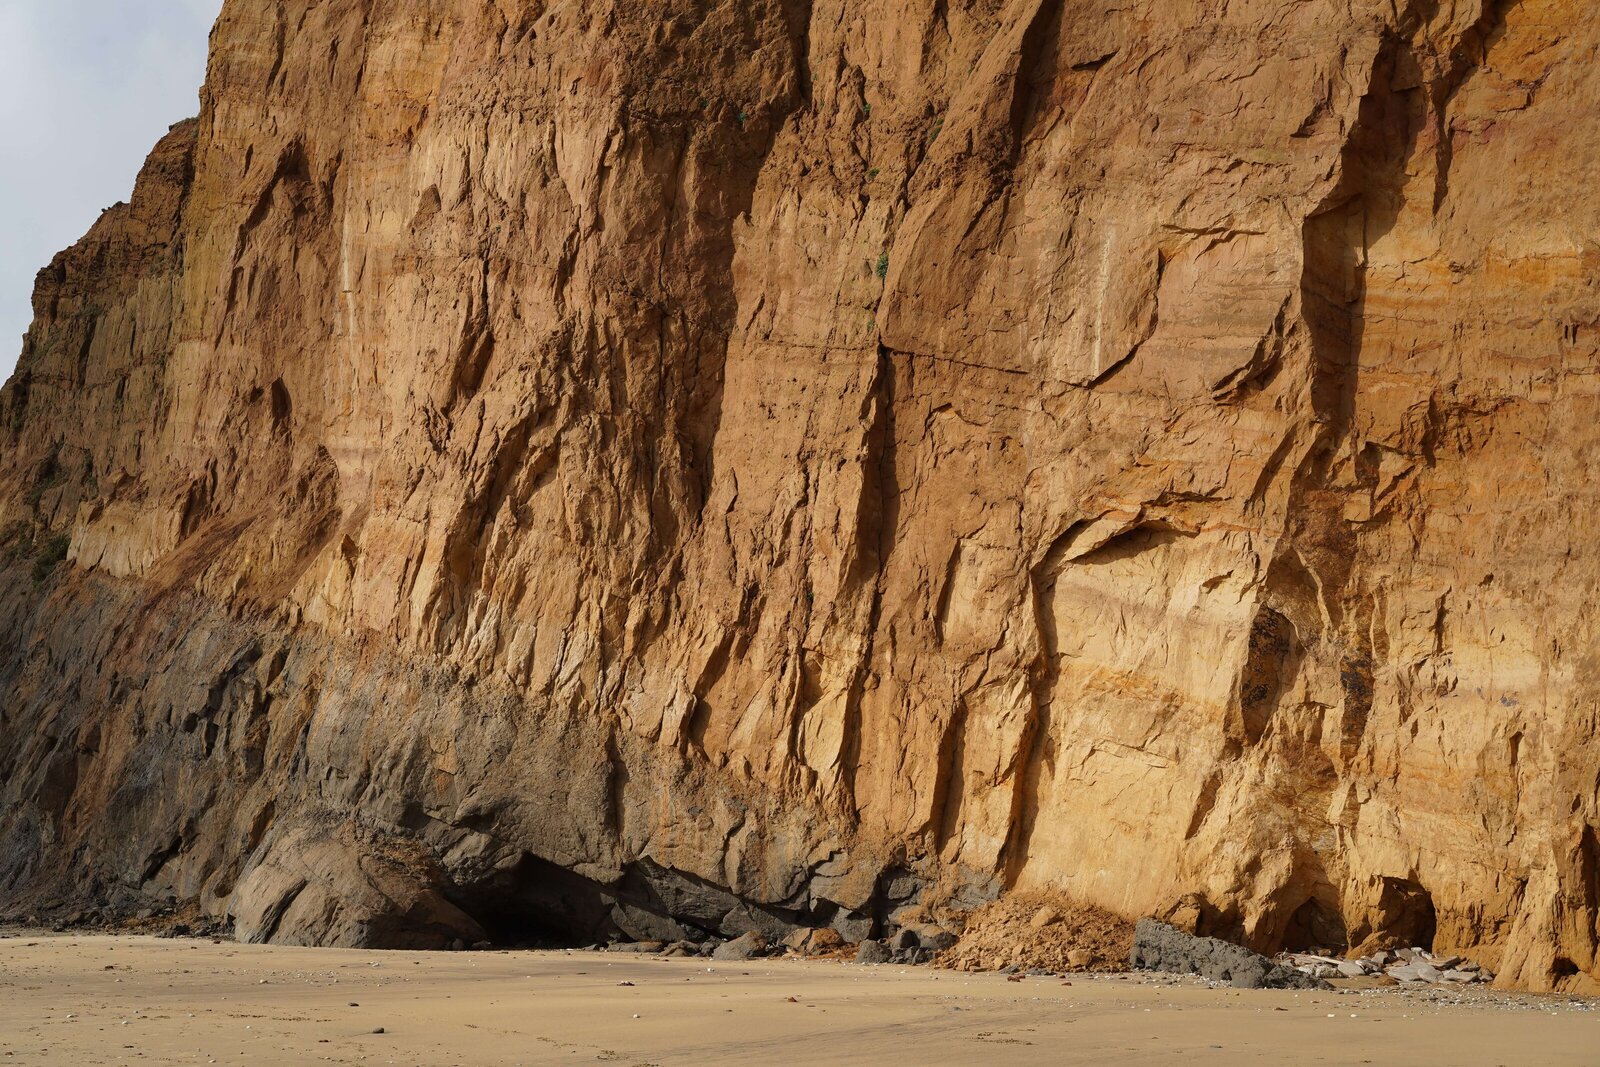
<point>810,942</point>
<point>934,938</point>
<point>744,947</point>
<point>1159,947</point>
<point>873,952</point>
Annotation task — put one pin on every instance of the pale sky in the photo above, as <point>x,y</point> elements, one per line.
<point>87,87</point>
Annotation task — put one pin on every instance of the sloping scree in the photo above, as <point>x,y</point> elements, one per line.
<point>1040,931</point>
<point>1159,947</point>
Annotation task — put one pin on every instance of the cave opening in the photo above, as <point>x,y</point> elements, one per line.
<point>1402,916</point>
<point>537,904</point>
<point>1409,918</point>
<point>1316,926</point>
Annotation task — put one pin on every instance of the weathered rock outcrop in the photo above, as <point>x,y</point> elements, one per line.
<point>1159,947</point>
<point>704,466</point>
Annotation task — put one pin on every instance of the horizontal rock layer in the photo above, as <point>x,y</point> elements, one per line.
<point>526,466</point>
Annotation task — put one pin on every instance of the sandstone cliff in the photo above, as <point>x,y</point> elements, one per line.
<point>609,467</point>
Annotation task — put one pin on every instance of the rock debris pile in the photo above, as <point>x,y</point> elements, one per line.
<point>1159,947</point>
<point>1041,933</point>
<point>1408,966</point>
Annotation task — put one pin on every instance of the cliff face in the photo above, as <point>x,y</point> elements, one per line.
<point>606,467</point>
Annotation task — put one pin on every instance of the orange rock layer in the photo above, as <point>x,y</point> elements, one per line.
<point>525,465</point>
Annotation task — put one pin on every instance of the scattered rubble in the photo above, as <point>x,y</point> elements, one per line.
<point>1158,946</point>
<point>1037,934</point>
<point>1407,966</point>
<point>164,919</point>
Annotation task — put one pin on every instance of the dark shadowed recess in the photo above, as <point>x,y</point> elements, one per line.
<point>1408,921</point>
<point>539,903</point>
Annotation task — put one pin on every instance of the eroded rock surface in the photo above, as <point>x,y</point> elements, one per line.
<point>660,469</point>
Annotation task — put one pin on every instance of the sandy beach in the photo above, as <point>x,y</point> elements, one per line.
<point>111,1000</point>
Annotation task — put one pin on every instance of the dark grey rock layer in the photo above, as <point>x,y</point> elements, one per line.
<point>1159,947</point>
